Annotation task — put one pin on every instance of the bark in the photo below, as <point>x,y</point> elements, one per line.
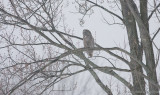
<point>144,12</point>
<point>147,44</point>
<point>135,49</point>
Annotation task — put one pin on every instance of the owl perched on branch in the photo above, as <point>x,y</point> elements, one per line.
<point>88,41</point>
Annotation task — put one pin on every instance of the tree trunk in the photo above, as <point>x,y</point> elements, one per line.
<point>147,43</point>
<point>136,52</point>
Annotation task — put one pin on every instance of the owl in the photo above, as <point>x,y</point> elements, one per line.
<point>88,41</point>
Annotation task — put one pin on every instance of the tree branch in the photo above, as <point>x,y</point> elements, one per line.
<point>153,11</point>
<point>106,10</point>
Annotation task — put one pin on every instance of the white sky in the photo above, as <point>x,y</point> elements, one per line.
<point>105,35</point>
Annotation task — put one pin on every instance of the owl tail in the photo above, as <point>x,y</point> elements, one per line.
<point>90,54</point>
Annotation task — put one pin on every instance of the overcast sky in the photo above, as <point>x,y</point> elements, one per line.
<point>105,35</point>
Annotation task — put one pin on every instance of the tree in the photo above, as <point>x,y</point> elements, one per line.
<point>38,51</point>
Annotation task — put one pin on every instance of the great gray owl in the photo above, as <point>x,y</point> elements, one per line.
<point>88,41</point>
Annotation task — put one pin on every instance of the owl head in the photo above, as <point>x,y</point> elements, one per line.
<point>86,32</point>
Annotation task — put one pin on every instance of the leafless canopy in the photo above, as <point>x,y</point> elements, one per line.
<point>38,50</point>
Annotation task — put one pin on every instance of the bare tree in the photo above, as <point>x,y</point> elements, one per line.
<point>38,52</point>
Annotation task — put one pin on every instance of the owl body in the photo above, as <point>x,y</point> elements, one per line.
<point>88,41</point>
